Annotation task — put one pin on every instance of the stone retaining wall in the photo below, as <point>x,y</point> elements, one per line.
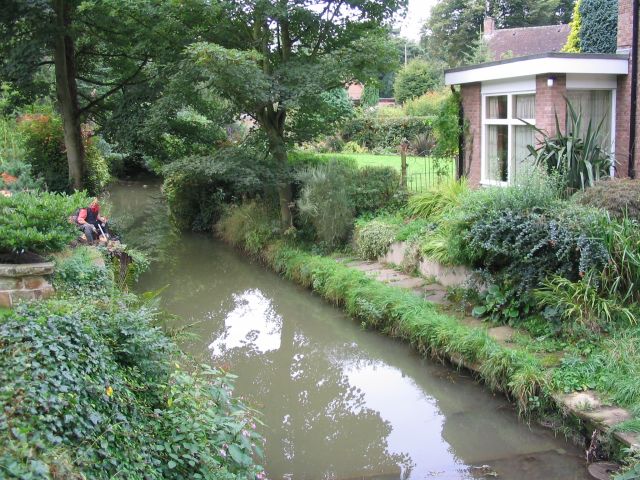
<point>24,282</point>
<point>446,276</point>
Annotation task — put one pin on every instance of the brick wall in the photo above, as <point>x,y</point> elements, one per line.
<point>549,101</point>
<point>471,104</point>
<point>623,98</point>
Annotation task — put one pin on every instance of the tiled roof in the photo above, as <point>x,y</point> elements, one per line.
<point>517,42</point>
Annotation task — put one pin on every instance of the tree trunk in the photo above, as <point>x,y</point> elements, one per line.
<point>285,193</point>
<point>272,122</point>
<point>65,67</point>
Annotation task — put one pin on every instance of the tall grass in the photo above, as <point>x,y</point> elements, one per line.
<point>437,201</point>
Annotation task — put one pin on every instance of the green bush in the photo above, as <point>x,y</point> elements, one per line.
<point>619,197</point>
<point>598,26</point>
<point>446,128</point>
<point>384,134</point>
<point>82,275</point>
<point>37,222</point>
<point>417,78</point>
<point>44,144</point>
<point>374,188</point>
<point>426,105</point>
<point>372,239</point>
<point>13,159</point>
<point>580,306</point>
<point>516,251</point>
<point>197,188</point>
<point>325,201</point>
<point>100,395</point>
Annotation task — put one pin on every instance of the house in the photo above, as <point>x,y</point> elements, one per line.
<point>507,43</point>
<point>355,91</point>
<point>504,99</point>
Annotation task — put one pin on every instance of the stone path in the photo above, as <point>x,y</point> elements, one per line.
<point>430,291</point>
<point>586,405</point>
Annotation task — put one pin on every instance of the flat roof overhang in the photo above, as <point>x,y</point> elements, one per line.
<point>546,63</point>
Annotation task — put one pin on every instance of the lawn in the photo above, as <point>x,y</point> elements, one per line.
<point>422,172</point>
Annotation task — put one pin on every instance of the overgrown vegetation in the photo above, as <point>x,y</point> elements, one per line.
<point>92,388</point>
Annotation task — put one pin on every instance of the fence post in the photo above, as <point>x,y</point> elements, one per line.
<point>403,163</point>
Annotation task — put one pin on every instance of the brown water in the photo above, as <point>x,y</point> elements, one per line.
<point>340,402</point>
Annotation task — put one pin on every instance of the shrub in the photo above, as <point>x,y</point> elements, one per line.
<point>576,156</point>
<point>325,201</point>
<point>446,128</point>
<point>353,147</point>
<point>18,176</point>
<point>417,78</point>
<point>426,105</point>
<point>79,274</point>
<point>372,239</point>
<point>384,134</point>
<point>249,226</point>
<point>100,397</point>
<point>619,197</point>
<point>581,306</point>
<point>374,188</point>
<point>598,26</point>
<point>37,222</point>
<point>44,144</point>
<point>197,188</point>
<point>516,251</point>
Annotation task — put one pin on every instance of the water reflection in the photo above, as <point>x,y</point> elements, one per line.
<point>252,325</point>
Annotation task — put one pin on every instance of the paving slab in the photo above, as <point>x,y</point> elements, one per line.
<point>407,282</point>
<point>503,334</point>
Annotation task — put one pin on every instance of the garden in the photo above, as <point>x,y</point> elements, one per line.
<point>251,134</point>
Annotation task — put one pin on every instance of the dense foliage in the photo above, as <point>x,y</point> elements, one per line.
<point>45,151</point>
<point>380,135</point>
<point>101,393</point>
<point>415,79</point>
<point>598,26</point>
<point>37,222</point>
<point>198,187</point>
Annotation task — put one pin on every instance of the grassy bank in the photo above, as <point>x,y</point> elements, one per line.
<point>396,312</point>
<point>91,387</point>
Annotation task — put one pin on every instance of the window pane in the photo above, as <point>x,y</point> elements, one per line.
<point>594,106</point>
<point>497,107</point>
<point>524,106</point>
<point>496,153</point>
<point>523,162</point>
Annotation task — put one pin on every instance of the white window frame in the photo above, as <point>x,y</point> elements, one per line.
<point>511,122</point>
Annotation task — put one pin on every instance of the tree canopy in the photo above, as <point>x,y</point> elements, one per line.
<point>274,59</point>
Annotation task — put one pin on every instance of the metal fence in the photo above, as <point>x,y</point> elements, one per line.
<point>433,172</point>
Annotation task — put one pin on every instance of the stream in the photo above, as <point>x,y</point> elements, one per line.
<point>338,402</point>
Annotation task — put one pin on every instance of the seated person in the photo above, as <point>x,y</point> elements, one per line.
<point>91,222</point>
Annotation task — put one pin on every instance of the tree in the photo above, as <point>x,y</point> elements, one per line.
<point>274,58</point>
<point>417,78</point>
<point>573,41</point>
<point>100,51</point>
<point>598,26</point>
